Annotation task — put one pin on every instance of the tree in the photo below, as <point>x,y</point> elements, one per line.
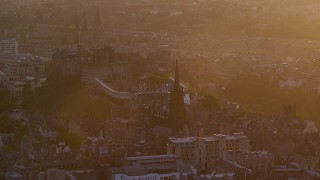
<point>27,94</point>
<point>21,131</point>
<point>5,100</point>
<point>210,102</point>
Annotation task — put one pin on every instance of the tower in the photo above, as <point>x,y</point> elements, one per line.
<point>177,114</point>
<point>76,30</point>
<point>84,27</point>
<point>97,25</point>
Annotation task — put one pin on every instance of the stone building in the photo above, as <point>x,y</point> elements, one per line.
<point>69,62</point>
<point>203,151</point>
<point>259,161</point>
<point>34,67</point>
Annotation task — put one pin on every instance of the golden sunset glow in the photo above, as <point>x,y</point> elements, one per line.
<point>159,89</point>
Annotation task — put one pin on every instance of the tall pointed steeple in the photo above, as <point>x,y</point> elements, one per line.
<point>177,115</point>
<point>76,30</point>
<point>76,24</point>
<point>84,27</point>
<point>176,75</point>
<point>97,24</point>
<point>97,17</point>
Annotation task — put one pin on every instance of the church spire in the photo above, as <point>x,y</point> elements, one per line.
<point>84,23</point>
<point>176,76</point>
<point>97,24</point>
<point>76,23</point>
<point>76,30</point>
<point>97,17</point>
<point>177,115</point>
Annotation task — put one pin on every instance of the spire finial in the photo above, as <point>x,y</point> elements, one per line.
<point>176,78</point>
<point>97,18</point>
<point>76,23</point>
<point>84,23</point>
<point>98,30</point>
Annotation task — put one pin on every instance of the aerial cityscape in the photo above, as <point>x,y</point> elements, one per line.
<point>159,90</point>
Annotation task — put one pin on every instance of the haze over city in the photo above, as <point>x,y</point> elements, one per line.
<point>159,89</point>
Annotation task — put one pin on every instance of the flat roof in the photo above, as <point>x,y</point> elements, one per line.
<point>151,157</point>
<point>182,140</point>
<point>214,137</point>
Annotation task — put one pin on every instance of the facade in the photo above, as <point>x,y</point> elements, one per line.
<point>49,134</point>
<point>290,83</point>
<point>30,67</point>
<point>18,69</point>
<point>16,89</point>
<point>312,83</point>
<point>292,171</point>
<point>157,167</point>
<point>258,161</point>
<point>95,146</point>
<point>122,132</point>
<point>203,151</point>
<point>69,62</point>
<point>14,176</point>
<point>4,79</point>
<point>310,129</point>
<point>306,156</point>
<point>9,47</point>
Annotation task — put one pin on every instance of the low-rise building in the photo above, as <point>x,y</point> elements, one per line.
<point>290,83</point>
<point>203,151</point>
<point>96,147</point>
<point>152,167</point>
<point>259,161</point>
<point>13,176</point>
<point>62,174</point>
<point>9,48</point>
<point>34,67</point>
<point>4,79</point>
<point>122,132</point>
<point>16,89</point>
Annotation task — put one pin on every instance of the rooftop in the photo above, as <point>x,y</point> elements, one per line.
<point>182,140</point>
<point>169,156</point>
<point>2,73</point>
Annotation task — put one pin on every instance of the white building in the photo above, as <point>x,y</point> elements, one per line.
<point>48,133</point>
<point>290,83</point>
<point>157,167</point>
<point>310,128</point>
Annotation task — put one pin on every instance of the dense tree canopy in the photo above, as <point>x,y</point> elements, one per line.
<point>210,102</point>
<point>264,95</point>
<point>65,97</point>
<point>5,101</point>
<point>26,95</point>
